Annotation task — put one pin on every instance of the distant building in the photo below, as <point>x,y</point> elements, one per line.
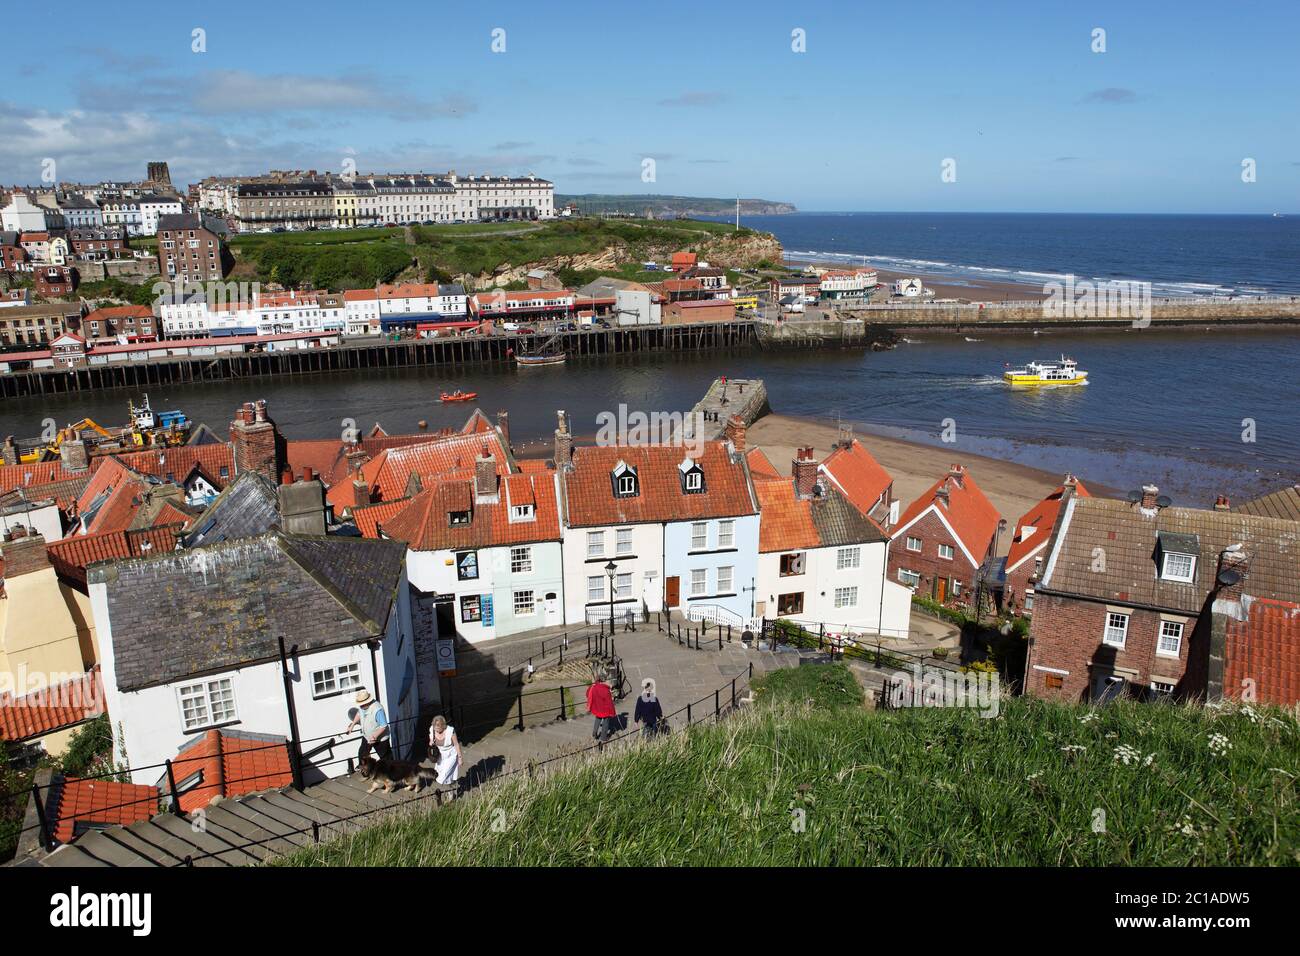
<point>99,244</point>
<point>80,213</point>
<point>703,310</point>
<point>301,204</point>
<point>190,249</point>
<point>22,215</point>
<point>55,282</point>
<point>153,207</point>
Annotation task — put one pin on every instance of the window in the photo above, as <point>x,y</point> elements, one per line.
<point>521,560</point>
<point>699,582</point>
<point>694,481</point>
<point>789,603</point>
<point>623,587</point>
<point>726,578</point>
<point>1029,600</point>
<point>726,534</point>
<point>911,578</point>
<point>1116,630</point>
<point>524,603</point>
<point>792,564</point>
<point>1171,638</point>
<point>456,518</point>
<point>1162,688</point>
<point>467,566</point>
<point>471,608</point>
<point>596,588</point>
<point>521,513</point>
<point>945,552</point>
<point>846,597</point>
<point>624,481</point>
<point>913,544</point>
<point>623,541</point>
<point>699,535</point>
<point>595,544</point>
<point>206,703</point>
<point>1178,567</point>
<point>848,558</point>
<point>334,680</point>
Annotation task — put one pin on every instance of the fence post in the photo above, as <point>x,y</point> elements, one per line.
<point>688,715</point>
<point>47,839</point>
<point>315,831</point>
<point>171,788</point>
<point>719,638</point>
<point>717,705</point>
<point>877,655</point>
<point>751,670</point>
<point>521,708</point>
<point>733,693</point>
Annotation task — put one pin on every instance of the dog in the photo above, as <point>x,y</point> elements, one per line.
<point>392,774</point>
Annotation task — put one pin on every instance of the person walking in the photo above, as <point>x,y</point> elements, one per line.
<point>649,712</point>
<point>600,704</point>
<point>374,726</point>
<point>444,743</point>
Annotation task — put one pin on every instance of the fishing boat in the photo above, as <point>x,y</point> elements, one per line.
<point>1062,372</point>
<point>536,361</point>
<point>459,396</point>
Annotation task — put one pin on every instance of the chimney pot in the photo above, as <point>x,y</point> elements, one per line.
<point>804,472</point>
<point>1149,495</point>
<point>286,476</point>
<point>1221,503</point>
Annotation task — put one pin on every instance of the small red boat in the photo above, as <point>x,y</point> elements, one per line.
<point>459,396</point>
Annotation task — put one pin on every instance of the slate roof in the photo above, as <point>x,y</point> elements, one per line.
<point>51,709</point>
<point>1279,504</point>
<point>1129,541</point>
<point>588,488</point>
<point>248,506</point>
<point>226,604</point>
<point>424,524</point>
<point>1265,648</point>
<point>858,474</point>
<point>1039,520</point>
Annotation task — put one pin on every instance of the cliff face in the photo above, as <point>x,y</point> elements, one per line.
<point>725,251</point>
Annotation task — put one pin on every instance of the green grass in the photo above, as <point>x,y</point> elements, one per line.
<point>1039,785</point>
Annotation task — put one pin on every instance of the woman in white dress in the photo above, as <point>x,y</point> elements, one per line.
<point>444,741</point>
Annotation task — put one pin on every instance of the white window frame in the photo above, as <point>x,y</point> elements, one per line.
<point>913,547</point>
<point>525,603</point>
<point>623,541</point>
<point>521,560</point>
<point>595,544</point>
<point>694,480</point>
<point>846,558</point>
<point>207,691</point>
<point>627,484</point>
<point>1170,576</point>
<point>1115,623</point>
<point>699,582</point>
<point>905,578</point>
<point>1029,599</point>
<point>726,579</point>
<point>952,552</point>
<point>623,586</point>
<point>1177,639</point>
<point>846,597</point>
<point>335,680</point>
<point>699,535</point>
<point>1164,687</point>
<point>727,533</point>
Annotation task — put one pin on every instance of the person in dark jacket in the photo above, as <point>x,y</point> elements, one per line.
<point>649,713</point>
<point>600,704</point>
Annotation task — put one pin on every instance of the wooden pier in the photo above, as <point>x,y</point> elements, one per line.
<point>356,356</point>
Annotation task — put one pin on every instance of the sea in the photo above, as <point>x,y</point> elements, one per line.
<point>1198,411</point>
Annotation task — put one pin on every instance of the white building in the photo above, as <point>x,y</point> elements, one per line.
<point>502,197</point>
<point>153,206</point>
<point>22,215</point>
<point>362,311</point>
<point>125,212</point>
<point>340,604</point>
<point>80,213</point>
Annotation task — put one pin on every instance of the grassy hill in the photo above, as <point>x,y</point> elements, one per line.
<point>1043,784</point>
<point>358,258</point>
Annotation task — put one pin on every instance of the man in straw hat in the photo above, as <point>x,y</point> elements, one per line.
<point>374,725</point>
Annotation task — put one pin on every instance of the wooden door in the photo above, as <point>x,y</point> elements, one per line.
<point>673,592</point>
<point>941,589</point>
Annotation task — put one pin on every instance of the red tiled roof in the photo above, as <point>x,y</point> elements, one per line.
<point>370,518</point>
<point>38,473</point>
<point>389,472</point>
<point>857,474</point>
<point>408,290</point>
<point>99,801</point>
<point>115,312</point>
<point>232,763</point>
<point>169,515</point>
<point>1034,528</point>
<point>589,487</point>
<point>424,523</point>
<point>786,522</point>
<point>972,516</point>
<point>1264,648</point>
<point>360,295</point>
<point>760,466</point>
<point>53,708</point>
<point>181,460</point>
<point>71,556</point>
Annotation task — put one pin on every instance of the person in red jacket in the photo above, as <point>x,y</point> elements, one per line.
<point>600,704</point>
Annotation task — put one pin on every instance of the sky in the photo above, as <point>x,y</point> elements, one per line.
<point>1188,106</point>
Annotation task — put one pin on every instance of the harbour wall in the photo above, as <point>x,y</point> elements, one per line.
<point>1019,316</point>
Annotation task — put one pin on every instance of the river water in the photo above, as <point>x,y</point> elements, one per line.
<point>1197,412</point>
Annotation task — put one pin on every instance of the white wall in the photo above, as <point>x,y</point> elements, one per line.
<point>645,564</point>
<point>820,579</point>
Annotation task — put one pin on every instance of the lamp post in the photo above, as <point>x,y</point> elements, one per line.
<point>611,569</point>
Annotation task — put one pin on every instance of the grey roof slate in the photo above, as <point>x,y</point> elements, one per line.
<point>1279,504</point>
<point>188,613</point>
<point>247,507</point>
<point>839,523</point>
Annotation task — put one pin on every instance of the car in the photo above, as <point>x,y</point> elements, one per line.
<point>602,323</point>
<point>390,225</point>
<point>525,330</point>
<point>428,222</point>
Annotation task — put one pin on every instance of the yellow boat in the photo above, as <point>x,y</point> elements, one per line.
<point>1063,372</point>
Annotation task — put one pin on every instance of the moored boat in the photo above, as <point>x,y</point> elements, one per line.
<point>534,361</point>
<point>1062,372</point>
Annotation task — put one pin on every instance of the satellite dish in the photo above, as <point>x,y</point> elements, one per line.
<point>1164,501</point>
<point>1228,577</point>
<point>1134,497</point>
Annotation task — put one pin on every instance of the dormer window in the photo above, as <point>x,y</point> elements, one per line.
<point>522,513</point>
<point>1176,556</point>
<point>625,481</point>
<point>692,477</point>
<point>1178,567</point>
<point>457,518</point>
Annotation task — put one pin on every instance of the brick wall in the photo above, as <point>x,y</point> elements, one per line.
<point>1066,635</point>
<point>927,562</point>
<point>1018,581</point>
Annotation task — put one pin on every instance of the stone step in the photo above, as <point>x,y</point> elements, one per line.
<point>105,848</point>
<point>249,832</point>
<point>153,832</point>
<point>203,843</point>
<point>131,839</point>
<point>71,855</point>
<point>262,822</point>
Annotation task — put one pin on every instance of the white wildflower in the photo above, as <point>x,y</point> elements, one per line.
<point>1089,717</point>
<point>1127,755</point>
<point>1074,749</point>
<point>1219,745</point>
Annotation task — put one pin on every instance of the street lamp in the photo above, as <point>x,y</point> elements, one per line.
<point>611,569</point>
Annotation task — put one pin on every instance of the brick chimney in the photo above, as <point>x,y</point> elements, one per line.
<point>257,443</point>
<point>1229,604</point>
<point>1149,495</point>
<point>1221,503</point>
<point>563,442</point>
<point>735,433</point>
<point>957,474</point>
<point>503,426</point>
<point>485,476</point>
<point>23,552</point>
<point>804,471</point>
<point>74,455</point>
<point>302,504</point>
<point>9,454</point>
<point>361,492</point>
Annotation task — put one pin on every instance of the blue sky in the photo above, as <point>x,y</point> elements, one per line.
<point>713,93</point>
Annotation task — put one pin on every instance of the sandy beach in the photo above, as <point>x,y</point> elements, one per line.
<point>1012,488</point>
<point>965,290</point>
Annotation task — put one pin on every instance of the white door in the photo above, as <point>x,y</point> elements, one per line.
<point>553,613</point>
<point>651,591</point>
